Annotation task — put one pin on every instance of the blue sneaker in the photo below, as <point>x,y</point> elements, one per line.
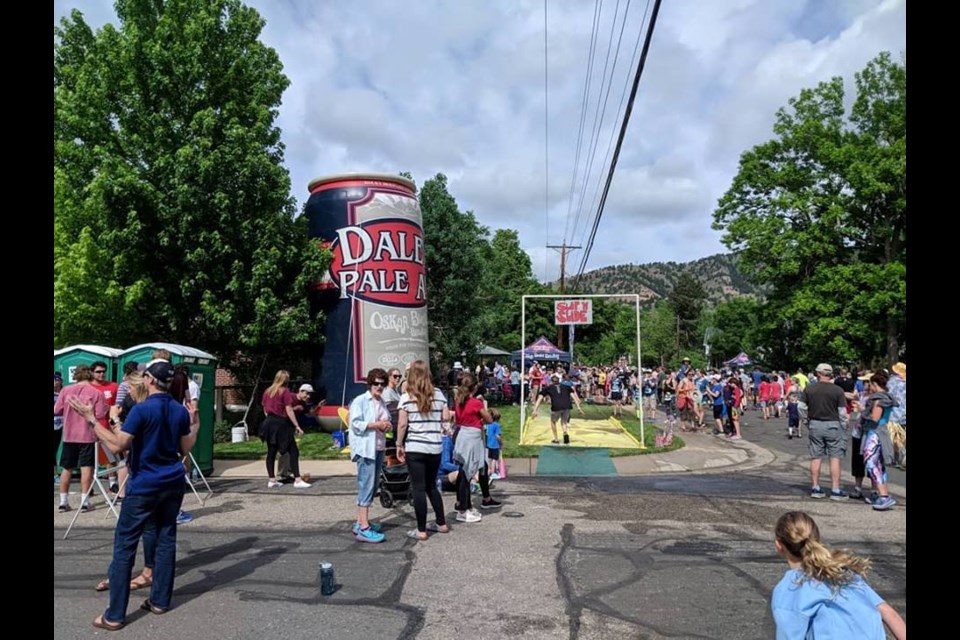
<point>369,535</point>
<point>838,494</point>
<point>817,493</point>
<point>184,517</point>
<point>883,503</point>
<point>870,499</point>
<point>356,527</point>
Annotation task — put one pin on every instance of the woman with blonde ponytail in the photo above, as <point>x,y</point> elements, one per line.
<point>824,595</point>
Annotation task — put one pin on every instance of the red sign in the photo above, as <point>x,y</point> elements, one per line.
<point>380,261</point>
<point>573,311</point>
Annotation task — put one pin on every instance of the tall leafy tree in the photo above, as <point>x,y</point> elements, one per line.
<point>172,211</point>
<point>455,246</point>
<point>507,275</point>
<point>819,213</point>
<point>687,299</point>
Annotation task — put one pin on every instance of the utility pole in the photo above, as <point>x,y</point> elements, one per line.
<point>563,250</point>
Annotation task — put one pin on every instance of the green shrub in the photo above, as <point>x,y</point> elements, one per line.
<point>222,431</point>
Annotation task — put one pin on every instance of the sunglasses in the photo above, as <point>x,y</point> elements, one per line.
<point>378,383</point>
<point>396,375</point>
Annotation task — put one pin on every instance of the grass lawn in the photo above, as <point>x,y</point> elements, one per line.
<point>319,446</point>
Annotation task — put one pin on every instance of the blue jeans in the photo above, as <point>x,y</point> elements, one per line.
<point>160,509</point>
<point>368,475</point>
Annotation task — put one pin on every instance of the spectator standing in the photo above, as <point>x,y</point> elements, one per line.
<point>823,411</point>
<point>369,422</point>
<point>79,440</point>
<point>424,417</point>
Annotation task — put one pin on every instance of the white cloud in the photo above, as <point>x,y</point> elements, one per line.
<point>457,88</point>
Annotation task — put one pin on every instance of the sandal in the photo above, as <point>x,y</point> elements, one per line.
<point>102,623</point>
<point>416,535</point>
<point>103,585</point>
<point>554,442</point>
<point>435,528</point>
<point>152,608</point>
<point>140,582</point>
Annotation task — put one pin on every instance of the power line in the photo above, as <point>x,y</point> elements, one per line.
<point>546,141</point>
<point>613,130</point>
<point>598,114</point>
<point>623,132</point>
<point>597,8</point>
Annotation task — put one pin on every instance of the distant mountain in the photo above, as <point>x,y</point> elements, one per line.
<point>718,274</point>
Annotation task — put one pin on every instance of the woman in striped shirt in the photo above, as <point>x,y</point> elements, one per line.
<point>424,417</point>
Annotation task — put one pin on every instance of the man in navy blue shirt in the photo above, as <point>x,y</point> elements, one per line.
<point>157,433</point>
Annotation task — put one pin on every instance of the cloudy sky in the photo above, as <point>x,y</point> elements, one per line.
<point>457,87</point>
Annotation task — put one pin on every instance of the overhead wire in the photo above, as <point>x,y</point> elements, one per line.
<point>546,145</point>
<point>613,129</point>
<point>623,131</point>
<point>598,115</point>
<point>597,8</point>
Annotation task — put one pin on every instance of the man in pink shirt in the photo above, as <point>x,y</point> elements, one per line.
<point>79,440</point>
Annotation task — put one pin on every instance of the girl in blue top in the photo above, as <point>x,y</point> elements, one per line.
<point>824,595</point>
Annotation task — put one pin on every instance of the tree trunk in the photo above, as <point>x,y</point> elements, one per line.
<point>893,344</point>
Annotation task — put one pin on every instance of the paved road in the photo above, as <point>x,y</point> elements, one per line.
<point>658,556</point>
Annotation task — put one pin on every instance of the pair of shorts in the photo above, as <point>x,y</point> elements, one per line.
<point>718,412</point>
<point>616,396</point>
<point>76,454</point>
<point>563,416</point>
<point>368,476</point>
<point>827,439</point>
<point>493,454</point>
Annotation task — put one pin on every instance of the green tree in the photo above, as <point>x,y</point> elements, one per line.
<point>658,335</point>
<point>687,299</point>
<point>455,246</point>
<point>734,325</point>
<point>172,211</point>
<point>819,214</point>
<point>507,275</point>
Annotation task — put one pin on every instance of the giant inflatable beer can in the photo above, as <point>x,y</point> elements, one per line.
<point>374,294</point>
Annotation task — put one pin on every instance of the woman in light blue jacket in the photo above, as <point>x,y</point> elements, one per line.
<point>369,420</point>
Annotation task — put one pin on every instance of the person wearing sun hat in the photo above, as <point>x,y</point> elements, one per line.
<point>897,425</point>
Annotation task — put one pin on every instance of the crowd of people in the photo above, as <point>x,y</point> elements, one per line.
<point>148,437</point>
<point>451,442</point>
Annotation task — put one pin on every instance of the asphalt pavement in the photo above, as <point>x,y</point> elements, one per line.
<point>679,546</point>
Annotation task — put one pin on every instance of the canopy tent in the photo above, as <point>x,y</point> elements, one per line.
<point>542,350</point>
<point>739,360</point>
<point>487,350</point>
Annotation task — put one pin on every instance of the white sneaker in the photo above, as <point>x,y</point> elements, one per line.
<point>494,476</point>
<point>273,484</point>
<point>469,516</point>
<point>300,484</point>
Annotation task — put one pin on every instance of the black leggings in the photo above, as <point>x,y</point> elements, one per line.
<point>463,487</point>
<point>294,451</point>
<point>423,480</point>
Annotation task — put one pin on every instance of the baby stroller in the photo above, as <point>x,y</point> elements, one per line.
<point>394,481</point>
<point>394,477</point>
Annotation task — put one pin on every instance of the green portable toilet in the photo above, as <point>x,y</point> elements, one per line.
<point>66,360</point>
<point>203,370</point>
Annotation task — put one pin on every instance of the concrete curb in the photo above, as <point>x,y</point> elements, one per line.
<point>702,454</point>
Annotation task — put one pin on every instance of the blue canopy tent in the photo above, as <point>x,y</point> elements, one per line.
<point>542,351</point>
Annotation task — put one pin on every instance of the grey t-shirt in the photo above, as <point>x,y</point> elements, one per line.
<point>824,402</point>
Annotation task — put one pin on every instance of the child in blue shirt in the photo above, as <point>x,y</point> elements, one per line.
<point>494,441</point>
<point>837,603</point>
<point>793,416</point>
